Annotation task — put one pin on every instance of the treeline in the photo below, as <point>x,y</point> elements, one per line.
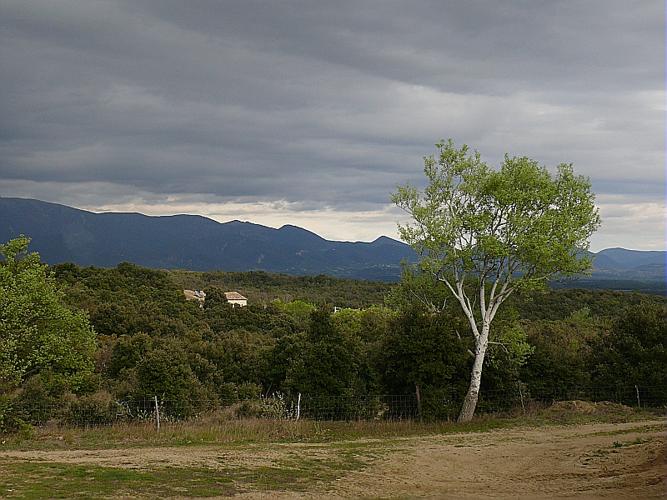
<point>262,288</point>
<point>147,340</point>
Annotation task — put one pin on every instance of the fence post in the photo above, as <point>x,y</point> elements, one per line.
<point>639,403</point>
<point>419,401</point>
<point>298,406</point>
<point>157,415</point>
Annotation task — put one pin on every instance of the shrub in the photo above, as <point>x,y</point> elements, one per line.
<point>9,418</point>
<point>98,408</point>
<point>274,407</point>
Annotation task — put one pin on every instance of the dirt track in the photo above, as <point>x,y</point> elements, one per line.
<point>577,461</point>
<point>587,461</point>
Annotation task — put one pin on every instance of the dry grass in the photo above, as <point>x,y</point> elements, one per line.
<point>221,429</point>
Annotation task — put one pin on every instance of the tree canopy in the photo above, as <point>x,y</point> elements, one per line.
<point>37,331</point>
<point>545,345</point>
<point>485,233</point>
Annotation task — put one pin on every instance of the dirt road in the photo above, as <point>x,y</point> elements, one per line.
<point>585,461</point>
<point>588,461</point>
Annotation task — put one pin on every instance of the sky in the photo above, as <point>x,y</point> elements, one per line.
<point>312,113</point>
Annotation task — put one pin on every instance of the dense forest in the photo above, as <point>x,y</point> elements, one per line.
<point>128,333</point>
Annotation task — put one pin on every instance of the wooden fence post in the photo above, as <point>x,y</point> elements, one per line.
<point>157,415</point>
<point>298,406</point>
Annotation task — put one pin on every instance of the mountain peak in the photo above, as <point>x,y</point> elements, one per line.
<point>386,240</point>
<point>296,230</point>
<point>64,234</point>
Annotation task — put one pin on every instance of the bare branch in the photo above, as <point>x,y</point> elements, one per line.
<point>500,344</point>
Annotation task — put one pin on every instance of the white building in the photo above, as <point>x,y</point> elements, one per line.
<point>236,299</point>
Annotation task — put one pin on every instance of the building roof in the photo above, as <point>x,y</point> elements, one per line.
<point>199,295</point>
<point>234,296</point>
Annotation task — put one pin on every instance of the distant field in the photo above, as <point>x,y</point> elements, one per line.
<point>595,455</point>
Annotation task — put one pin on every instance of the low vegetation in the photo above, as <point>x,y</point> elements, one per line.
<point>219,456</point>
<point>231,382</point>
<point>225,432</point>
<point>144,340</point>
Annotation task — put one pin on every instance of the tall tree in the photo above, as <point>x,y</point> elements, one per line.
<point>485,233</point>
<point>37,331</point>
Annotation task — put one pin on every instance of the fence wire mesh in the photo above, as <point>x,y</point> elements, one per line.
<point>91,411</point>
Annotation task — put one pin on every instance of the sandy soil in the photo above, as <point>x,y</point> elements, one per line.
<point>585,461</point>
<point>554,462</point>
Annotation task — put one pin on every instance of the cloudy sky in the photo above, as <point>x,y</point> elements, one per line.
<point>311,113</point>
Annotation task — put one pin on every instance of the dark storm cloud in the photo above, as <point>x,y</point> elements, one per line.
<point>321,104</point>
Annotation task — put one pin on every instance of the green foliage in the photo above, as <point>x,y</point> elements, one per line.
<point>298,310</point>
<point>418,289</point>
<point>283,361</point>
<point>130,299</point>
<point>561,357</point>
<point>243,355</point>
<point>487,233</point>
<point>99,408</point>
<point>634,352</point>
<point>275,407</point>
<point>329,364</point>
<point>518,220</point>
<point>10,420</point>
<point>423,349</point>
<point>152,342</point>
<point>127,352</point>
<point>37,331</point>
<point>166,372</point>
<point>224,318</point>
<point>560,304</point>
<point>263,288</point>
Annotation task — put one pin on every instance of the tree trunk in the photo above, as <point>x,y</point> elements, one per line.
<point>470,401</point>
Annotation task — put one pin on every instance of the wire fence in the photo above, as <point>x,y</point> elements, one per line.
<point>629,395</point>
<point>442,404</point>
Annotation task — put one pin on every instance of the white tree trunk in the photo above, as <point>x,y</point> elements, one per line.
<point>470,401</point>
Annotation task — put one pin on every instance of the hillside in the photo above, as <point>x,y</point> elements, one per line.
<point>64,234</point>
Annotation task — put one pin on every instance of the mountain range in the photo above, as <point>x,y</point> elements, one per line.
<point>65,234</point>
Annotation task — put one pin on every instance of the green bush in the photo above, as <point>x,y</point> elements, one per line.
<point>99,408</point>
<point>9,418</point>
<point>276,407</point>
<point>40,398</point>
<point>248,390</point>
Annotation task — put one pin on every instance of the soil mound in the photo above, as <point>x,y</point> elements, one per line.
<point>578,407</point>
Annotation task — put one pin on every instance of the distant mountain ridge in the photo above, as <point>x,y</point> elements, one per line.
<point>65,234</point>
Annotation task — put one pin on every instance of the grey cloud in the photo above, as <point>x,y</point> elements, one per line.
<point>326,105</point>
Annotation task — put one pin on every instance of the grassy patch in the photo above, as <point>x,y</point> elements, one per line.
<point>57,480</point>
<point>235,433</point>
<point>225,432</point>
<point>327,451</point>
<point>614,448</point>
<point>299,473</point>
<point>631,430</point>
<point>634,442</point>
<point>293,472</point>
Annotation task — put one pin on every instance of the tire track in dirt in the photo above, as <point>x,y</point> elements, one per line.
<point>551,462</point>
<point>589,461</point>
